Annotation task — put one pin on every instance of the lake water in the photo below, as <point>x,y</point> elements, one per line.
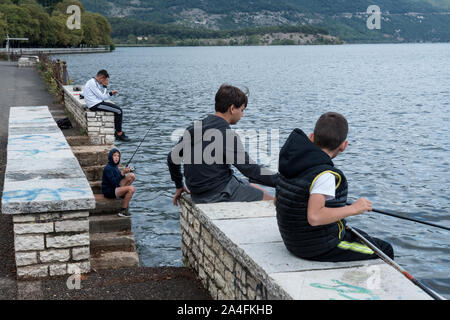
<point>395,97</point>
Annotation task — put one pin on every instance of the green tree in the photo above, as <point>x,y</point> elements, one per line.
<point>28,18</point>
<point>58,25</point>
<point>17,20</point>
<point>61,6</point>
<point>131,39</point>
<point>253,40</point>
<point>3,27</point>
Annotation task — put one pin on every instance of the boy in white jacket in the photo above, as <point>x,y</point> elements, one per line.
<point>95,93</point>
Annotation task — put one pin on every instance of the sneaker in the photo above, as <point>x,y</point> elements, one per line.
<point>124,212</point>
<point>122,137</point>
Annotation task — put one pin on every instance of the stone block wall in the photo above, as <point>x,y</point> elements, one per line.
<point>51,244</point>
<point>99,125</point>
<point>49,201</point>
<point>236,250</point>
<point>222,271</point>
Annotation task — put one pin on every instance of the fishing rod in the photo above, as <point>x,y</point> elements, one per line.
<point>396,215</point>
<point>151,126</point>
<point>399,268</point>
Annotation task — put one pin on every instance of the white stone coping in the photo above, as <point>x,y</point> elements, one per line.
<point>250,232</point>
<point>42,173</point>
<point>75,95</point>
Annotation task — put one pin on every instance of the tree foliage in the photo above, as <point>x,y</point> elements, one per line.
<point>44,22</point>
<point>124,27</point>
<point>417,20</point>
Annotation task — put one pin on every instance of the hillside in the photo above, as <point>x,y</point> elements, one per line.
<point>44,23</point>
<point>402,20</point>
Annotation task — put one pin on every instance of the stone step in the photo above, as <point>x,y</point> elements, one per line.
<point>92,155</point>
<point>105,206</point>
<point>77,140</point>
<point>96,186</point>
<point>114,260</point>
<point>109,223</point>
<point>58,114</point>
<point>93,173</point>
<point>112,241</point>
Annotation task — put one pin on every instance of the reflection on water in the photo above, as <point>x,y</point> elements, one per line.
<point>395,97</point>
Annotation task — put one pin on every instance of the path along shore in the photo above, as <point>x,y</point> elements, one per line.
<point>24,87</point>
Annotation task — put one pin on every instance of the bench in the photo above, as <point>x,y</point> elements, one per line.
<point>99,125</point>
<point>237,252</point>
<point>48,196</point>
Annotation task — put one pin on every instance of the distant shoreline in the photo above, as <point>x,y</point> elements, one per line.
<point>125,45</point>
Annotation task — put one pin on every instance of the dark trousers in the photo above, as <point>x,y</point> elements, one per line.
<point>111,107</point>
<point>352,249</point>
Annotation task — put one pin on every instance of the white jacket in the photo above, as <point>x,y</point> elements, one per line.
<point>94,93</point>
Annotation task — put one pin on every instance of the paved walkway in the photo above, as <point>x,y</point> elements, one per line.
<point>18,87</point>
<point>24,87</point>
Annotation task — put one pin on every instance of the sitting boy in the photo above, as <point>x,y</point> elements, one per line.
<point>116,184</point>
<point>311,197</point>
<point>214,181</point>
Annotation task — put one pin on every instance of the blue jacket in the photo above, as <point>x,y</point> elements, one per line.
<point>111,176</point>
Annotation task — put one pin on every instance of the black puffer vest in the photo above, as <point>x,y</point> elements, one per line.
<point>301,163</point>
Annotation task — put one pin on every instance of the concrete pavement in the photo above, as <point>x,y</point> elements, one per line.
<point>24,87</point>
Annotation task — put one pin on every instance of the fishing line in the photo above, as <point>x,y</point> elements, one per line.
<point>397,215</point>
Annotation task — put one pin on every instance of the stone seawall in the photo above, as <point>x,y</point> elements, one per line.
<point>223,269</point>
<point>48,195</point>
<point>99,125</point>
<point>237,253</point>
<point>36,51</point>
<point>51,244</point>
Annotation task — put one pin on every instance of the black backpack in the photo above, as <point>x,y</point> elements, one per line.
<point>64,123</point>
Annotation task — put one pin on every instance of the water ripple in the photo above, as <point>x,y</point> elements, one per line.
<point>395,97</point>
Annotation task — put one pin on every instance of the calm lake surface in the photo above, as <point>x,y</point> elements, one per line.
<point>395,97</point>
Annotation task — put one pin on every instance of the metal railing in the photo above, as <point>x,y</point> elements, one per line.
<point>37,51</point>
<point>59,72</point>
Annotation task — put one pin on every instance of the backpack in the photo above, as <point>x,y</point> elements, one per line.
<point>64,123</point>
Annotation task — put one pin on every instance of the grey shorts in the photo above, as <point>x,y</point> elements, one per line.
<point>237,190</point>
<point>118,197</point>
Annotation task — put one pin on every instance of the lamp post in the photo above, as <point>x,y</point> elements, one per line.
<point>7,43</point>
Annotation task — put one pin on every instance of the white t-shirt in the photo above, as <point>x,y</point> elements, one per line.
<point>326,185</point>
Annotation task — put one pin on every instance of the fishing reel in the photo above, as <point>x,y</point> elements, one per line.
<point>131,169</point>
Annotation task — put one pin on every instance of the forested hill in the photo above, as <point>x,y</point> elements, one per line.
<point>44,23</point>
<point>402,20</point>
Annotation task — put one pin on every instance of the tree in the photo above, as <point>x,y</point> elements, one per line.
<point>17,20</point>
<point>47,27</point>
<point>131,39</point>
<point>3,27</point>
<point>61,6</point>
<point>48,3</point>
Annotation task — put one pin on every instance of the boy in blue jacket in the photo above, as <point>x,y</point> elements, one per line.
<point>116,184</point>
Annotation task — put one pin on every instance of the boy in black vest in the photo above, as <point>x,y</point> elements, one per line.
<point>311,197</point>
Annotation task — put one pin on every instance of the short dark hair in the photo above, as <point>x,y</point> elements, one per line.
<point>330,131</point>
<point>103,73</point>
<point>228,95</point>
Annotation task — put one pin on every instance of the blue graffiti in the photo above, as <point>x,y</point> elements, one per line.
<point>44,139</point>
<point>48,194</point>
<point>37,151</point>
<point>39,120</point>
